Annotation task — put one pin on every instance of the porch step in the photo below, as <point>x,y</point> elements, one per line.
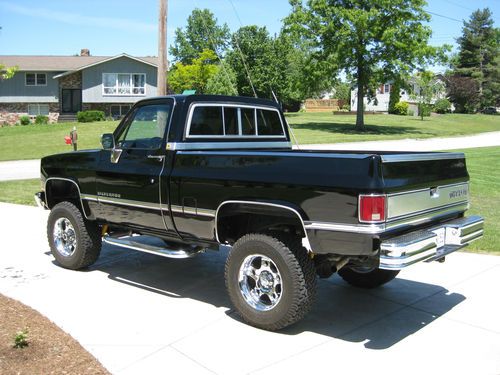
<point>67,117</point>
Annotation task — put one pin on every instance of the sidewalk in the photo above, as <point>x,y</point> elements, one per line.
<point>143,314</point>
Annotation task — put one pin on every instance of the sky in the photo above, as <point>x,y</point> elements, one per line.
<point>111,27</point>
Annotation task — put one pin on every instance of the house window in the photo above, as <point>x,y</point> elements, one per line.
<point>36,79</point>
<point>387,89</point>
<point>118,110</point>
<point>38,109</point>
<point>124,84</point>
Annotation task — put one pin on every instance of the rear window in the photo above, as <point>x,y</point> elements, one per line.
<point>234,121</point>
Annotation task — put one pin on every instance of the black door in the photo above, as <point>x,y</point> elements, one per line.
<point>128,177</point>
<point>71,100</point>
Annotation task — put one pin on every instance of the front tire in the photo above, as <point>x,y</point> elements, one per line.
<point>271,283</point>
<point>367,279</point>
<point>74,241</point>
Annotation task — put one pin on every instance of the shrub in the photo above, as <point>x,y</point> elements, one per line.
<point>41,120</point>
<point>21,339</point>
<point>442,106</point>
<point>25,120</point>
<point>411,112</point>
<point>90,116</point>
<point>401,108</point>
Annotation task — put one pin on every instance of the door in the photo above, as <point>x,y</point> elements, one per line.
<point>71,100</point>
<point>128,178</point>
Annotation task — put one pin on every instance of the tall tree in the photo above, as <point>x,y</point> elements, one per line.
<point>202,32</point>
<point>463,92</point>
<point>368,38</point>
<point>193,76</point>
<point>479,55</point>
<point>223,82</point>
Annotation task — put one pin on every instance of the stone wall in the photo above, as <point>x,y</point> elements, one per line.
<point>11,112</point>
<point>72,81</point>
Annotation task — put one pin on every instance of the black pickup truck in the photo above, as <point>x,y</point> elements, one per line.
<point>184,174</point>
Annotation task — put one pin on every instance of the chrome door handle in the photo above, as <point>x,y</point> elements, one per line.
<point>157,157</point>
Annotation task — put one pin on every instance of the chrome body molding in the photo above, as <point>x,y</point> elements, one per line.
<point>398,223</point>
<point>190,146</point>
<point>430,244</point>
<point>305,240</point>
<point>272,153</point>
<point>193,211</point>
<point>68,180</point>
<point>421,157</point>
<point>411,203</point>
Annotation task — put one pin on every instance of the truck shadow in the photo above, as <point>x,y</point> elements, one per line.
<point>378,318</point>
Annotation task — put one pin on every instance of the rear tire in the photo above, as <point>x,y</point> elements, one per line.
<point>271,282</point>
<point>74,241</point>
<point>367,279</point>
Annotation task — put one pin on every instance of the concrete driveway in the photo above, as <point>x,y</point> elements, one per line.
<point>143,314</point>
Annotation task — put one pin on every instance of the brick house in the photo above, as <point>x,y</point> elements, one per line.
<point>60,86</point>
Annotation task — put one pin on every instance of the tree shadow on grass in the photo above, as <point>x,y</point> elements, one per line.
<point>346,128</point>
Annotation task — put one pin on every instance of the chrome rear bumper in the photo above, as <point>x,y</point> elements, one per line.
<point>429,244</point>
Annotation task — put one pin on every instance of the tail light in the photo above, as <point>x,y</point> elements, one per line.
<point>372,208</point>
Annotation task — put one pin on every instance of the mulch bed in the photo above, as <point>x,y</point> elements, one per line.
<point>50,350</point>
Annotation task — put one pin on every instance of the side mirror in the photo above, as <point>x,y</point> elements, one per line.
<point>108,141</point>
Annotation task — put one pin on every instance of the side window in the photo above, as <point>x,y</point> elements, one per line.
<point>207,121</point>
<point>248,121</point>
<point>231,120</point>
<point>145,127</point>
<point>269,122</point>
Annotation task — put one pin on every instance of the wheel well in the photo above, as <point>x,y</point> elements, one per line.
<point>57,191</point>
<point>237,219</point>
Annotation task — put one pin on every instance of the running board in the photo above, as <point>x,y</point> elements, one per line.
<point>128,243</point>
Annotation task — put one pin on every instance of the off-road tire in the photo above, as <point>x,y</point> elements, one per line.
<point>87,233</point>
<point>298,277</point>
<point>367,280</point>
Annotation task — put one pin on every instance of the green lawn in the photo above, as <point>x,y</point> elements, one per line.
<point>325,127</point>
<point>36,141</point>
<point>482,164</point>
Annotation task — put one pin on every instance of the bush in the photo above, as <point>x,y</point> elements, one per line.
<point>90,116</point>
<point>442,106</point>
<point>25,120</point>
<point>411,112</point>
<point>401,108</point>
<point>41,120</point>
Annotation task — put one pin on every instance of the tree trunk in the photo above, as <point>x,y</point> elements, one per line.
<point>360,121</point>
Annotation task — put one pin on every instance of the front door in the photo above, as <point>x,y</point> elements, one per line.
<point>128,177</point>
<point>71,100</point>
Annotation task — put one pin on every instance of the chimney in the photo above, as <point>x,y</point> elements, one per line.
<point>85,52</point>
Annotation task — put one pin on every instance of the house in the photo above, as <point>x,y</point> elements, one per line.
<point>60,86</point>
<point>382,96</point>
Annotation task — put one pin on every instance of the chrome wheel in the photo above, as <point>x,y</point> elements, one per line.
<point>64,237</point>
<point>260,282</point>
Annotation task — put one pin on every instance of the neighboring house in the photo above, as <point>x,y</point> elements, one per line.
<point>60,86</point>
<point>381,104</point>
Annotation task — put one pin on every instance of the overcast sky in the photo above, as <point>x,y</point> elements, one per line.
<point>110,27</point>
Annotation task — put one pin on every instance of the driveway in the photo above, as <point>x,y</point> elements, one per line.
<point>25,169</point>
<point>142,314</point>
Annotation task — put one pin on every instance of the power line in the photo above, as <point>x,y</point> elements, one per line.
<point>440,15</point>
<point>458,5</point>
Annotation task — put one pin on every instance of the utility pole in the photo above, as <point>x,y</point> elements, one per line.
<point>162,47</point>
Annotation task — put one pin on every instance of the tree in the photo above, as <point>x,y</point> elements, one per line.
<point>369,39</point>
<point>202,32</point>
<point>342,91</point>
<point>223,82</point>
<point>394,95</point>
<point>463,92</point>
<point>193,76</point>
<point>7,73</point>
<point>426,89</point>
<point>479,54</point>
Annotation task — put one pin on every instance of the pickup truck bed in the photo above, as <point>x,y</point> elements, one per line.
<point>222,173</point>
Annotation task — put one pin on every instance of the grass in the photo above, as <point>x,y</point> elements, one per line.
<point>19,191</point>
<point>482,164</point>
<point>36,141</point>
<point>310,128</point>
